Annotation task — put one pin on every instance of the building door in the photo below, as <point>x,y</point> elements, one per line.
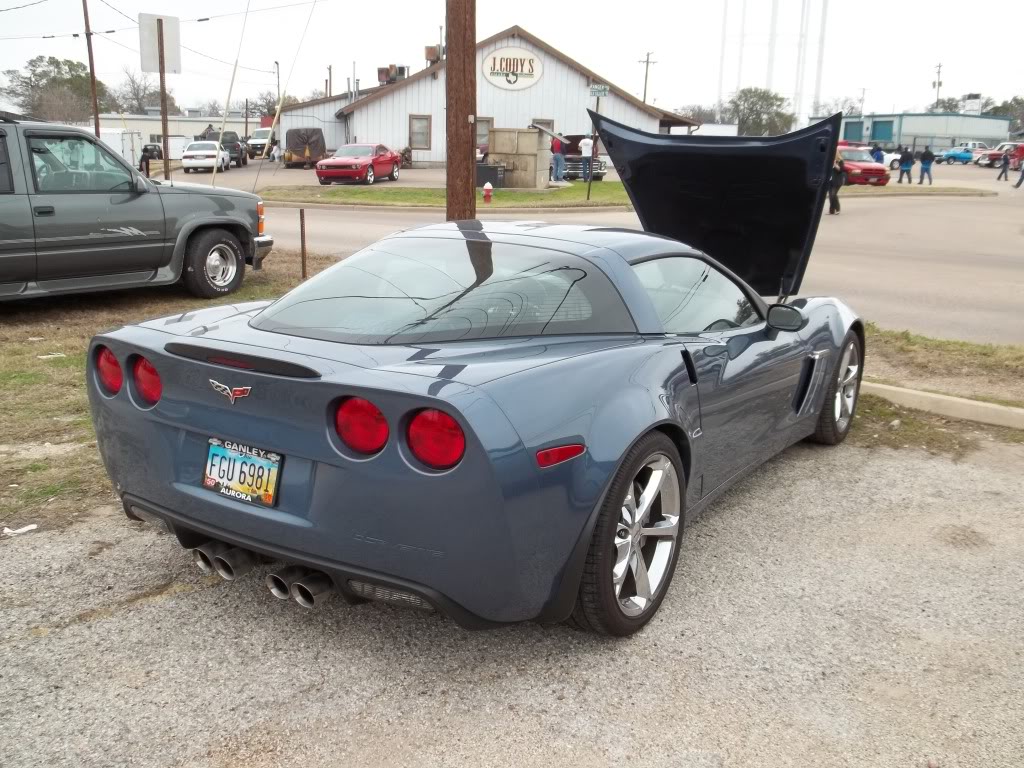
<point>881,131</point>
<point>854,130</point>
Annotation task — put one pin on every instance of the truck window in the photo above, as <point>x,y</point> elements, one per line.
<point>74,164</point>
<point>6,181</point>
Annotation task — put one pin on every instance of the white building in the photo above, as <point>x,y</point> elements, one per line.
<point>521,80</point>
<point>917,129</point>
<point>148,126</point>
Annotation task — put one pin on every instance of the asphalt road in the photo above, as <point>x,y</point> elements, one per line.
<point>948,267</point>
<point>841,607</point>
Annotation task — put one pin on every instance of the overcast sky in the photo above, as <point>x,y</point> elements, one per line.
<point>891,53</point>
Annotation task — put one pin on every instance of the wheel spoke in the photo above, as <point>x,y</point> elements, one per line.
<point>652,489</point>
<point>847,353</point>
<point>624,552</point>
<point>667,527</point>
<point>629,507</point>
<point>851,375</point>
<point>639,568</point>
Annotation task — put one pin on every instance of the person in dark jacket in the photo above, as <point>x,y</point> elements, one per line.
<point>906,163</point>
<point>877,154</point>
<point>927,158</point>
<point>144,162</point>
<point>835,183</point>
<point>1004,167</point>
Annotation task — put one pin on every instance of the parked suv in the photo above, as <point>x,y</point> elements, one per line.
<point>259,140</point>
<point>232,143</point>
<point>75,217</point>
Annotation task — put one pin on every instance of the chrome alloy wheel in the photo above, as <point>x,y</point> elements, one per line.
<point>848,386</point>
<point>646,535</point>
<point>221,266</point>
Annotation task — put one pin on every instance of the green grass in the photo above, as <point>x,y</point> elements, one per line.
<point>603,193</point>
<point>913,190</point>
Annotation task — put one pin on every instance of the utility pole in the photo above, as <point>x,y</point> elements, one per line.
<point>863,95</point>
<point>325,86</point>
<point>936,84</point>
<point>92,69</point>
<point>460,104</point>
<point>330,80</point>
<point>246,117</point>
<point>163,101</point>
<point>772,32</point>
<point>821,58</point>
<point>743,41</point>
<point>647,67</point>
<point>721,57</point>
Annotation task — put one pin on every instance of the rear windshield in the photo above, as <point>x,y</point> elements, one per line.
<point>202,145</point>
<point>428,290</point>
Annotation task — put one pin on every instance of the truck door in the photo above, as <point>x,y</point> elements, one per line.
<point>90,218</point>
<point>17,239</point>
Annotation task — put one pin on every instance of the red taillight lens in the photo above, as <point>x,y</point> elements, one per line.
<point>551,456</point>
<point>436,439</point>
<point>361,425</point>
<point>109,371</point>
<point>147,381</point>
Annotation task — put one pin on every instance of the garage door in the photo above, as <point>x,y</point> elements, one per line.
<point>854,130</point>
<point>881,130</point>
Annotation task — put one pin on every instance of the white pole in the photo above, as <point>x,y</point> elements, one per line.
<point>772,28</point>
<point>801,55</point>
<point>721,58</point>
<point>821,57</point>
<point>743,42</point>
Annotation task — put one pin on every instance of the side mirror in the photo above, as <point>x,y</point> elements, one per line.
<point>141,187</point>
<point>783,317</point>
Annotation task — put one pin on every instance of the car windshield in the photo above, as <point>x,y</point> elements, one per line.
<point>856,155</point>
<point>262,133</point>
<point>412,290</point>
<point>355,150</point>
<point>200,146</point>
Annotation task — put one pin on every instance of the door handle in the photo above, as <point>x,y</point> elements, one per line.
<point>44,210</point>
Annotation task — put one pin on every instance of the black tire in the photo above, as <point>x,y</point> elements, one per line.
<point>894,165</point>
<point>324,183</point>
<point>950,161</point>
<point>394,172</point>
<point>831,430</point>
<point>597,608</point>
<point>187,170</point>
<point>194,273</point>
<point>370,176</point>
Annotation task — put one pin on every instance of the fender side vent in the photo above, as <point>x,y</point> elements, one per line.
<point>241,361</point>
<point>811,379</point>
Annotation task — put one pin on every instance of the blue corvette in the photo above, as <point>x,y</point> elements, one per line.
<point>500,421</point>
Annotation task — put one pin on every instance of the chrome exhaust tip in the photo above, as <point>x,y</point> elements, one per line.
<point>280,582</point>
<point>312,590</point>
<point>234,563</point>
<point>203,555</point>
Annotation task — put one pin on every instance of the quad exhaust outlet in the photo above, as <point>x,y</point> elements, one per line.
<point>312,590</point>
<point>280,582</point>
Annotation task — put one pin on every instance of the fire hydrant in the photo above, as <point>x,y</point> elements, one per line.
<point>488,192</point>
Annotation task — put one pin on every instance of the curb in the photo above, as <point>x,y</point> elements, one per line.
<point>480,208</point>
<point>949,406</point>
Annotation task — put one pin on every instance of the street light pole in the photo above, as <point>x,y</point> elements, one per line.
<point>277,66</point>
<point>647,68</point>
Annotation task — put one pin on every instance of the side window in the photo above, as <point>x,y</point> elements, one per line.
<point>6,180</point>
<point>73,164</point>
<point>691,296</point>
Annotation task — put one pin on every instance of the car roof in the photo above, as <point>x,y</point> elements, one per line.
<point>631,244</point>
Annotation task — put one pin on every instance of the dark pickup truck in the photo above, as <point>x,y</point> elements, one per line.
<point>75,217</point>
<point>231,143</point>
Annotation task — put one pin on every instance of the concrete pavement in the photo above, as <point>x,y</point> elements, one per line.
<point>943,267</point>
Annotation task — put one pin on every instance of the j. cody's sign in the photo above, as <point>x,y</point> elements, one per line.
<point>512,68</point>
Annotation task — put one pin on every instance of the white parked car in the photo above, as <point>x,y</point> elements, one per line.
<point>205,155</point>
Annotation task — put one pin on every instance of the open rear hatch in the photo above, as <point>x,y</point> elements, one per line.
<point>753,203</point>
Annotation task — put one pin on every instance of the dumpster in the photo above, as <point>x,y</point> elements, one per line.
<point>490,173</point>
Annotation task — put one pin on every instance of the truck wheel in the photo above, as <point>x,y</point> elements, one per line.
<point>214,263</point>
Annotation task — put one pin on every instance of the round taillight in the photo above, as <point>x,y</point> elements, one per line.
<point>147,381</point>
<point>109,371</point>
<point>436,439</point>
<point>361,426</point>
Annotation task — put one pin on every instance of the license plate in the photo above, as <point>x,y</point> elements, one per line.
<point>242,472</point>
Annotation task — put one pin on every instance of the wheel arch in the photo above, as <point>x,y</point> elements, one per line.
<point>193,229</point>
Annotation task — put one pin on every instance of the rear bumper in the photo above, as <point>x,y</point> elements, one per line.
<point>262,246</point>
<point>190,533</point>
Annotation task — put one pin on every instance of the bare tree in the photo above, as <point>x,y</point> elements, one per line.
<point>137,92</point>
<point>60,103</point>
<point>213,108</point>
<point>847,105</point>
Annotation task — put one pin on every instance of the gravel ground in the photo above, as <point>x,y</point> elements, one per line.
<point>841,607</point>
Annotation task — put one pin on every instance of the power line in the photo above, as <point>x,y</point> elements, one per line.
<point>18,7</point>
<point>228,63</point>
<point>118,10</point>
<point>189,71</point>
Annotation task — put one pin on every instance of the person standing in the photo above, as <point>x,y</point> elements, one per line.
<point>927,158</point>
<point>144,162</point>
<point>1004,166</point>
<point>906,163</point>
<point>558,157</point>
<point>835,183</point>
<point>877,154</point>
<point>1021,179</point>
<point>587,151</point>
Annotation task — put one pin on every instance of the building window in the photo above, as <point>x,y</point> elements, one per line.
<point>483,130</point>
<point>548,124</point>
<point>419,131</point>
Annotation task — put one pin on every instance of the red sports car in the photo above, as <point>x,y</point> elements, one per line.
<point>360,162</point>
<point>861,168</point>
